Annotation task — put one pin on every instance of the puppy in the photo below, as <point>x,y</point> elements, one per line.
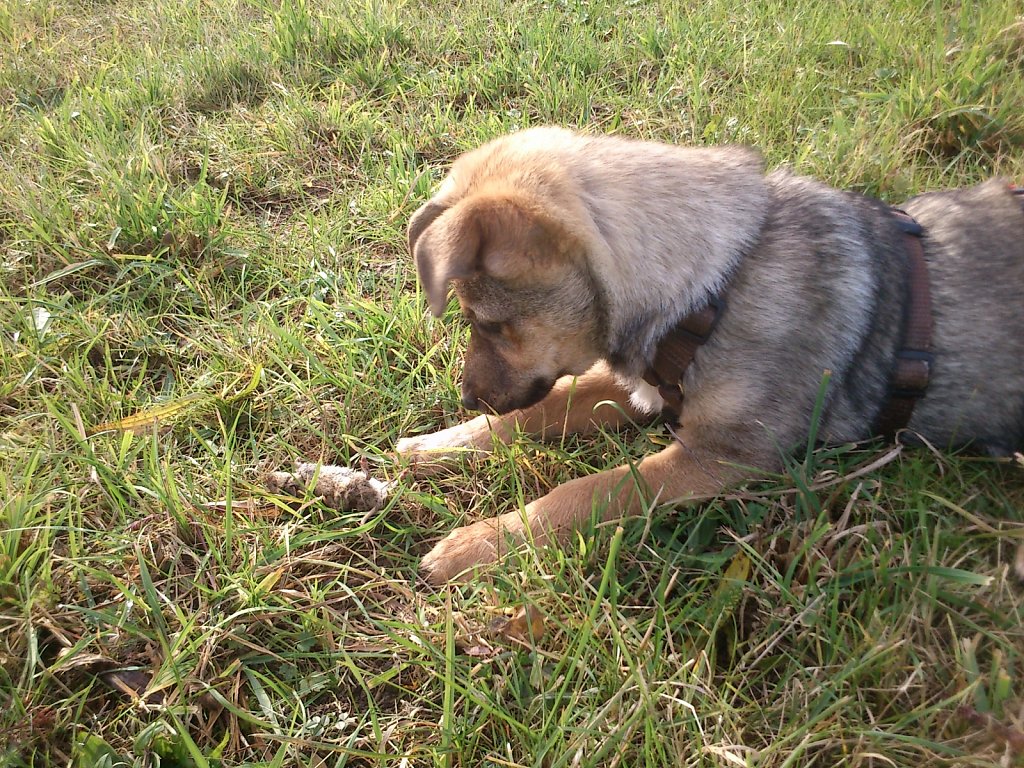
<point>575,260</point>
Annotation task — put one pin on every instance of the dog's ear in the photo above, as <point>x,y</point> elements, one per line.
<point>502,236</point>
<point>423,218</point>
<point>443,252</point>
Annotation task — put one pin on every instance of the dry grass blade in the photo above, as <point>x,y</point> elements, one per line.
<point>150,417</point>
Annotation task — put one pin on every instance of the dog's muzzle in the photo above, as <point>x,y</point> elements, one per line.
<point>536,392</point>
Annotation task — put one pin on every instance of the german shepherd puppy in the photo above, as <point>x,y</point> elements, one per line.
<point>573,256</point>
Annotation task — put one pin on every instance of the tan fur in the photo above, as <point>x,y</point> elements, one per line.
<point>572,256</point>
<point>575,405</point>
<point>578,406</point>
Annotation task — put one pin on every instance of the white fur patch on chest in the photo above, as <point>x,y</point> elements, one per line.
<point>645,397</point>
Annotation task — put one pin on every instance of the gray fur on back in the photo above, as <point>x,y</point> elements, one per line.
<point>824,289</point>
<point>974,243</point>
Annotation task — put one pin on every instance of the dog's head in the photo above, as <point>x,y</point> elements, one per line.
<point>524,286</point>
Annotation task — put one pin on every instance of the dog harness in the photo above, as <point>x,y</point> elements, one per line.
<point>911,371</point>
<point>913,365</point>
<point>677,349</point>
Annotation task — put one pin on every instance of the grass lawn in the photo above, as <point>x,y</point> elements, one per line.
<point>203,278</point>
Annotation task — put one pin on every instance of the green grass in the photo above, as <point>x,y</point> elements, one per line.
<point>202,208</point>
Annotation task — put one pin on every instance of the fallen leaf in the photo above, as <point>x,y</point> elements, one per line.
<point>525,627</point>
<point>481,650</point>
<point>715,616</point>
<point>92,750</point>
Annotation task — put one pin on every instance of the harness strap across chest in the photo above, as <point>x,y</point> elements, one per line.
<point>676,351</point>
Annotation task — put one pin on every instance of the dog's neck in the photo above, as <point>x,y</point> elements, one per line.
<point>650,284</point>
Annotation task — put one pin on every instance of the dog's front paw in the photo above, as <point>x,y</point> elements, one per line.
<point>436,445</point>
<point>471,439</point>
<point>464,551</point>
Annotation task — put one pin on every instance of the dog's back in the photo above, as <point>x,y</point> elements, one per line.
<point>825,289</point>
<point>974,243</point>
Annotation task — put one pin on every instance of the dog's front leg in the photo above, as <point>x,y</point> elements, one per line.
<point>576,405</point>
<point>679,473</point>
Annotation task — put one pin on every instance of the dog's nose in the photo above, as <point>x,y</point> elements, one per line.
<point>470,401</point>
